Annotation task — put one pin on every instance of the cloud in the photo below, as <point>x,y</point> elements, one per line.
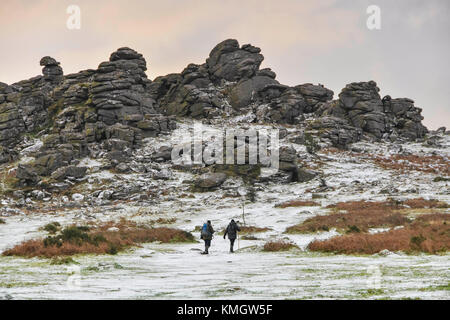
<point>303,41</point>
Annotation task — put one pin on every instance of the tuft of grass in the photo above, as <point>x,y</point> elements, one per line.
<point>100,239</point>
<point>164,221</point>
<point>253,229</point>
<point>445,287</point>
<point>278,245</point>
<point>249,237</point>
<point>52,227</point>
<point>353,229</point>
<point>62,261</point>
<point>296,203</point>
<point>439,179</point>
<point>2,221</point>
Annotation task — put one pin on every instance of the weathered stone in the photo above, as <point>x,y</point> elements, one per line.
<point>229,62</point>
<point>209,181</point>
<point>69,171</point>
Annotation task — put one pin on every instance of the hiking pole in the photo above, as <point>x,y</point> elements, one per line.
<point>239,245</point>
<point>243,211</point>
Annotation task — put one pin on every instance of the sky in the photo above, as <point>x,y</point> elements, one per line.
<point>303,41</point>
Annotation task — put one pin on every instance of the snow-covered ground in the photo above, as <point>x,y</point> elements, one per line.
<point>178,271</point>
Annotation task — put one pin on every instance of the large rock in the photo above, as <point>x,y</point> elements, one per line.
<point>52,71</point>
<point>230,62</point>
<point>209,181</point>
<point>246,91</point>
<point>314,95</point>
<point>364,107</point>
<point>69,171</point>
<point>404,118</point>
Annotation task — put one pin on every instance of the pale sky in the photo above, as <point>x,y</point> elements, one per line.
<point>317,41</point>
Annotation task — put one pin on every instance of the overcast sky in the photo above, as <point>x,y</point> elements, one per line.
<point>317,41</point>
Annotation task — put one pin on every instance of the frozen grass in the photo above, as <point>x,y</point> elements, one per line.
<point>278,245</point>
<point>428,233</point>
<point>296,203</point>
<point>108,238</point>
<point>360,216</point>
<point>422,203</point>
<point>253,229</point>
<point>430,164</point>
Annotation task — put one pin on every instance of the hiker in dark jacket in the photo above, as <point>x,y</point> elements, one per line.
<point>231,231</point>
<point>207,235</point>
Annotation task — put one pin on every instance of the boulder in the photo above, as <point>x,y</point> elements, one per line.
<point>69,171</point>
<point>209,181</point>
<point>246,91</point>
<point>314,95</point>
<point>229,62</point>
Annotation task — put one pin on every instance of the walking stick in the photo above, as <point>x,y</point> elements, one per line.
<point>239,245</point>
<point>243,211</point>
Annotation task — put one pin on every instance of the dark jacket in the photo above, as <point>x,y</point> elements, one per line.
<point>232,230</point>
<point>209,234</point>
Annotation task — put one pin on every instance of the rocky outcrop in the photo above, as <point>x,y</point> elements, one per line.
<point>110,110</point>
<point>231,83</point>
<point>361,107</point>
<point>404,119</point>
<point>118,89</point>
<point>76,115</point>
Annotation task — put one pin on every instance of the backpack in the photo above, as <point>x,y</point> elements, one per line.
<point>205,232</point>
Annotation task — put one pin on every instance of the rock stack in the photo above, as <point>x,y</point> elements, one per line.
<point>230,82</point>
<point>52,72</point>
<point>108,111</point>
<point>361,107</point>
<point>80,114</point>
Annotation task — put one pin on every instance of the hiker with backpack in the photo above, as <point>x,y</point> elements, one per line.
<point>207,235</point>
<point>231,231</point>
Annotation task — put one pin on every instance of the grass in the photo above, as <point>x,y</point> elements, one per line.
<point>278,245</point>
<point>296,203</point>
<point>360,216</point>
<point>9,285</point>
<point>245,230</point>
<point>2,221</point>
<point>420,203</point>
<point>62,261</point>
<point>404,163</point>
<point>164,221</point>
<point>428,233</point>
<point>97,239</point>
<point>52,227</point>
<point>445,287</point>
<point>439,179</point>
<point>253,229</point>
<point>249,237</point>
